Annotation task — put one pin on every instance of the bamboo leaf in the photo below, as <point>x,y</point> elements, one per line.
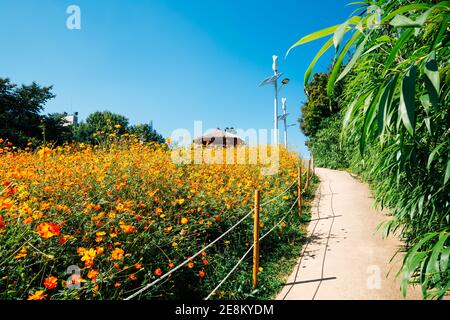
<point>432,81</point>
<point>314,36</point>
<point>324,32</point>
<point>405,22</point>
<point>403,9</point>
<point>447,170</point>
<point>400,42</point>
<point>407,108</point>
<point>339,35</point>
<point>433,263</point>
<point>353,60</point>
<point>368,120</point>
<point>322,50</point>
<point>432,155</point>
<point>386,102</point>
<point>444,259</point>
<point>338,63</point>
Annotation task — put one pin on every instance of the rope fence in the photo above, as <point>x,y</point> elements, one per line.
<point>252,247</point>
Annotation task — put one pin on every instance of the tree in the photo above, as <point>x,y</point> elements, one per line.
<point>146,133</point>
<point>100,121</point>
<point>319,105</point>
<point>20,108</point>
<point>57,130</point>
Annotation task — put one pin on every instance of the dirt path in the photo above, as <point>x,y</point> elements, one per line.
<point>344,257</point>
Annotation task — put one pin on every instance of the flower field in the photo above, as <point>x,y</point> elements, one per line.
<point>96,222</point>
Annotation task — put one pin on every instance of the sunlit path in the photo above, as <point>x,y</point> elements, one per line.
<point>344,258</point>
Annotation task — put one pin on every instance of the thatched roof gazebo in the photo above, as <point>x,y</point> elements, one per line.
<point>219,138</point>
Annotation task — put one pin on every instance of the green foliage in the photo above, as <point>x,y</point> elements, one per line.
<point>397,112</point>
<point>104,122</point>
<point>20,108</point>
<point>318,106</point>
<point>100,125</point>
<point>56,128</point>
<point>146,133</point>
<point>325,144</point>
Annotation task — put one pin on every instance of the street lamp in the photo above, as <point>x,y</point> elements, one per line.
<point>274,79</point>
<point>284,116</point>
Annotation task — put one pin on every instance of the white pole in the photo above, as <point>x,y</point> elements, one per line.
<point>275,104</point>
<point>283,101</point>
<point>275,115</point>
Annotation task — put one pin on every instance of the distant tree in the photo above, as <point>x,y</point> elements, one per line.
<point>57,129</point>
<point>100,121</point>
<point>319,105</point>
<point>20,108</point>
<point>146,133</point>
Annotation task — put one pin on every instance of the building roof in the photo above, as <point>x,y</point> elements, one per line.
<point>217,138</point>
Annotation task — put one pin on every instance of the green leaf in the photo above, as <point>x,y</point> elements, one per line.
<point>432,81</point>
<point>402,21</point>
<point>356,103</point>
<point>400,42</point>
<point>405,22</point>
<point>322,50</point>
<point>407,108</point>
<point>338,63</point>
<point>368,120</point>
<point>444,259</point>
<point>339,35</point>
<point>353,60</point>
<point>433,263</point>
<point>386,102</point>
<point>323,33</point>
<point>447,170</point>
<point>403,9</point>
<point>313,36</point>
<point>432,154</point>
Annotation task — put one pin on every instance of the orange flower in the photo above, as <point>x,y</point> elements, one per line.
<point>88,257</point>
<point>190,264</point>
<point>171,265</point>
<point>2,223</point>
<point>22,254</point>
<point>38,295</point>
<point>92,274</point>
<point>132,276</point>
<point>100,250</point>
<point>127,228</point>
<point>117,284</point>
<point>201,274</point>
<point>138,266</point>
<point>27,220</point>
<point>117,254</point>
<point>48,229</point>
<point>205,262</point>
<point>51,282</point>
<point>158,272</point>
<point>47,189</point>
<point>184,221</point>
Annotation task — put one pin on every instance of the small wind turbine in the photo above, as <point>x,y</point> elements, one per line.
<point>274,79</point>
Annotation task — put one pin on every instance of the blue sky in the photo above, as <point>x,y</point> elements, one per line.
<point>170,61</point>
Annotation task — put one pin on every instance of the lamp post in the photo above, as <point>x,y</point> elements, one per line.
<point>274,79</point>
<point>284,116</point>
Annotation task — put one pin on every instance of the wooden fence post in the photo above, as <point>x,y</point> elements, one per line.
<point>307,174</point>
<point>299,191</point>
<point>256,239</point>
